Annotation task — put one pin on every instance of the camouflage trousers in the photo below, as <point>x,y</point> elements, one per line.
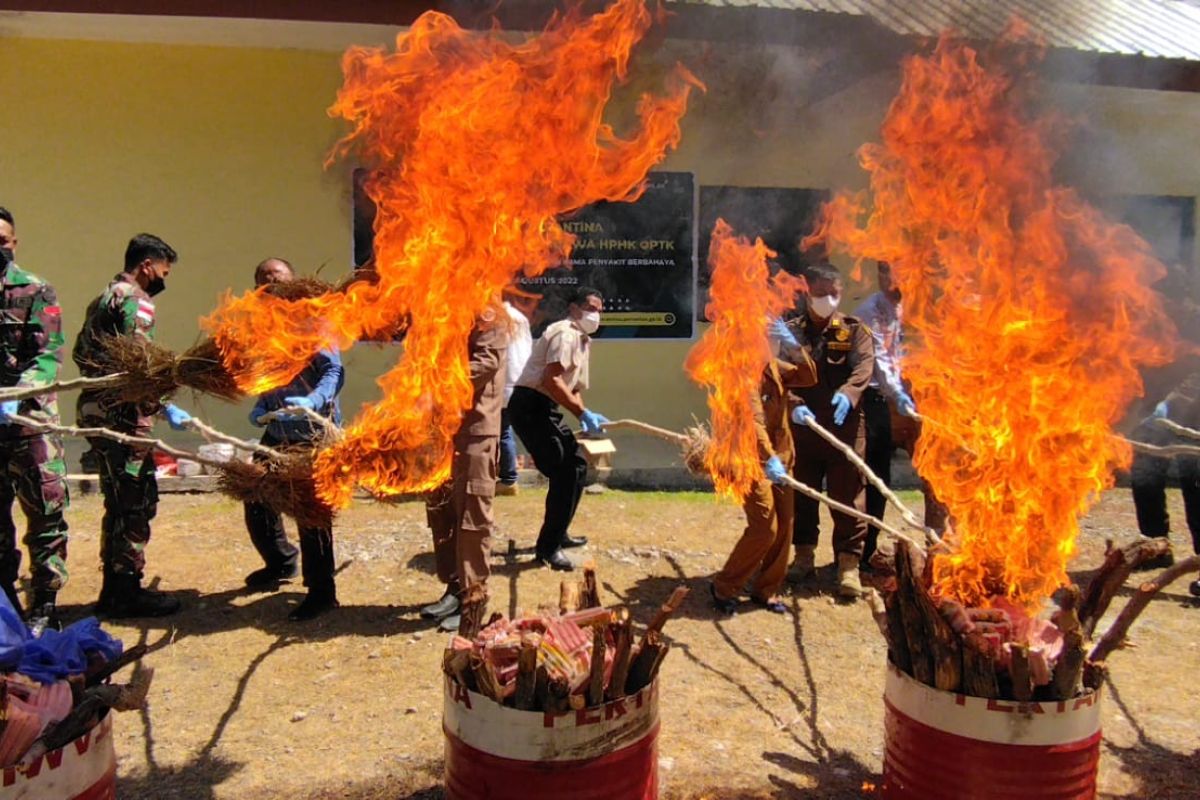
<point>32,472</point>
<point>130,491</point>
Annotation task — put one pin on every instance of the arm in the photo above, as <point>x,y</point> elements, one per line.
<point>863,365</point>
<point>331,378</point>
<point>46,329</point>
<point>762,438</point>
<point>556,387</point>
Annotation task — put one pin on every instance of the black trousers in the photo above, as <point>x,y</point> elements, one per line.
<point>880,448</point>
<point>269,538</point>
<point>1148,476</point>
<point>539,422</point>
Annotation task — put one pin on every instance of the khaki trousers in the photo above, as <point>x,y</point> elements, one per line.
<point>460,514</point>
<point>764,546</point>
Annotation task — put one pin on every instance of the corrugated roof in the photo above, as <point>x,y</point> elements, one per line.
<point>1155,28</point>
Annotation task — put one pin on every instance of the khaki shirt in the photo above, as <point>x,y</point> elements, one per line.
<point>562,343</point>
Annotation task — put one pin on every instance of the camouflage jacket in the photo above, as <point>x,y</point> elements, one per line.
<point>123,309</point>
<point>31,341</point>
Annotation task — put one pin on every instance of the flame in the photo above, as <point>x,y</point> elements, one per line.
<point>1032,315</point>
<point>476,144</point>
<point>730,357</point>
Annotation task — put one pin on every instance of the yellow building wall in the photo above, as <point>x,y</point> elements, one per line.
<point>220,151</point>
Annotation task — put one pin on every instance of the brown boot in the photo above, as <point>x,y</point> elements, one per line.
<point>849,583</point>
<point>805,565</point>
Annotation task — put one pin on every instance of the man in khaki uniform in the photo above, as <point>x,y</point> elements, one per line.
<point>763,548</point>
<point>843,351</point>
<point>460,510</point>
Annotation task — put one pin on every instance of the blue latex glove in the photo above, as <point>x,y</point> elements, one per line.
<point>802,414</point>
<point>177,418</point>
<point>778,331</point>
<point>7,409</point>
<point>906,406</point>
<point>774,469</point>
<point>841,408</point>
<point>1160,410</point>
<point>592,422</point>
<point>299,401</point>
<point>255,413</point>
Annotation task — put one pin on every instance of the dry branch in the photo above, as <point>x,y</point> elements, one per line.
<point>1118,565</point>
<point>668,608</point>
<point>622,651</point>
<point>645,427</point>
<point>1164,451</point>
<point>820,497</point>
<point>595,684</point>
<point>589,593</point>
<point>1176,428</point>
<point>24,393</point>
<point>1115,635</point>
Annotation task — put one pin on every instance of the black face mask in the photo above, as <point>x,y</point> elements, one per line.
<point>155,286</point>
<point>6,257</point>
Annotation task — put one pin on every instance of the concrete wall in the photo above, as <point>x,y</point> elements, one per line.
<point>219,150</point>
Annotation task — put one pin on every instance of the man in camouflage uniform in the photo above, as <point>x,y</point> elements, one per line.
<point>127,478</point>
<point>31,463</point>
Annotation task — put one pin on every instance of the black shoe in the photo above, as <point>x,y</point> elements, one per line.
<point>557,561</point>
<point>42,613</point>
<point>574,541</point>
<point>726,606</point>
<point>1194,588</point>
<point>774,606</point>
<point>450,624</point>
<point>270,576</point>
<point>449,604</point>
<point>122,597</point>
<point>313,606</point>
<point>1167,559</point>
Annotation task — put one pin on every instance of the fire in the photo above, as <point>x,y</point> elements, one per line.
<point>476,144</point>
<point>731,356</point>
<point>1032,315</point>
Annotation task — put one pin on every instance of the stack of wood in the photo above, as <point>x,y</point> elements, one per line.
<point>1001,652</point>
<point>583,656</point>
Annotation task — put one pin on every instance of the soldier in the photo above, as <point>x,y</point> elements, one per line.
<point>31,463</point>
<point>843,351</point>
<point>315,388</point>
<point>127,478</point>
<point>460,511</point>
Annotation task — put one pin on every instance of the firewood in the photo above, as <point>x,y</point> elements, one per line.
<point>457,664</point>
<point>896,641</point>
<point>623,650</point>
<point>589,593</point>
<point>485,678</point>
<point>979,668</point>
<point>568,597</point>
<point>643,665</point>
<point>658,662</point>
<point>947,647</point>
<point>526,677</point>
<point>667,609</point>
<point>1069,669</point>
<point>1115,635</point>
<point>595,684</point>
<point>1094,675</point>
<point>1018,670</point>
<point>1118,564</point>
<point>920,644</point>
<point>474,606</point>
<point>541,687</point>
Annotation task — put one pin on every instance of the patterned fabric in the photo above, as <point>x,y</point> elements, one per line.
<point>122,309</point>
<point>31,343</point>
<point>130,492</point>
<point>32,472</point>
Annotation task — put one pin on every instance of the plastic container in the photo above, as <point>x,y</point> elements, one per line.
<point>500,753</point>
<point>945,746</point>
<point>86,769</point>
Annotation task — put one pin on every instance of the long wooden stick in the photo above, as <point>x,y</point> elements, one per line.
<point>1116,632</point>
<point>645,427</point>
<point>212,434</point>
<point>291,412</point>
<point>855,459</point>
<point>805,489</point>
<point>102,382</point>
<point>1164,451</point>
<point>1176,428</point>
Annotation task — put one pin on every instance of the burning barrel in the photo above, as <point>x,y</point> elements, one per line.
<point>946,746</point>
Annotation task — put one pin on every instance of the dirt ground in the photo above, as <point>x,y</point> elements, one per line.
<point>246,705</point>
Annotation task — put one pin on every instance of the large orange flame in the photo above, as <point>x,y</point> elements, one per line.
<point>1032,315</point>
<point>730,357</point>
<point>476,145</point>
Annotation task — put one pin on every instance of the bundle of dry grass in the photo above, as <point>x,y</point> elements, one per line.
<point>303,288</point>
<point>284,484</point>
<point>699,438</point>
<point>153,372</point>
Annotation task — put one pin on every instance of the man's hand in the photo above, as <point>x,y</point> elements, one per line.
<point>177,418</point>
<point>778,331</point>
<point>592,422</point>
<point>775,470</point>
<point>802,414</point>
<point>1161,410</point>
<point>841,408</point>
<point>299,401</point>
<point>257,412</point>
<point>7,409</point>
<point>906,406</point>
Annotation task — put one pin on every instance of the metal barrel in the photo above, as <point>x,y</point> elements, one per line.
<point>945,746</point>
<point>499,753</point>
<point>85,769</point>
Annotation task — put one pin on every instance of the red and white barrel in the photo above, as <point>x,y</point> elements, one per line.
<point>500,753</point>
<point>85,769</point>
<point>945,746</point>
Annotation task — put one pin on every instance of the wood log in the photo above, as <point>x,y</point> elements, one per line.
<point>1094,675</point>
<point>116,665</point>
<point>568,597</point>
<point>1115,635</point>
<point>622,652</point>
<point>527,665</point>
<point>896,640</point>
<point>1118,565</point>
<point>1018,670</point>
<point>643,665</point>
<point>595,684</point>
<point>457,664</point>
<point>541,687</point>
<point>979,668</point>
<point>658,661</point>
<point>485,678</point>
<point>474,607</point>
<point>1069,670</point>
<point>589,593</point>
<point>667,609</point>
<point>558,696</point>
<point>920,644</point>
<point>947,647</point>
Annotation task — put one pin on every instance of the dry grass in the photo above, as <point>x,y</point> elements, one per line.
<point>284,485</point>
<point>302,288</point>
<point>154,372</point>
<point>245,705</point>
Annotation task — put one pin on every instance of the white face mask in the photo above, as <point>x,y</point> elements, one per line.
<point>589,322</point>
<point>823,307</point>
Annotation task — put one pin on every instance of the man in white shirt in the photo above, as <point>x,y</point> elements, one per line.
<point>556,375</point>
<point>520,307</point>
